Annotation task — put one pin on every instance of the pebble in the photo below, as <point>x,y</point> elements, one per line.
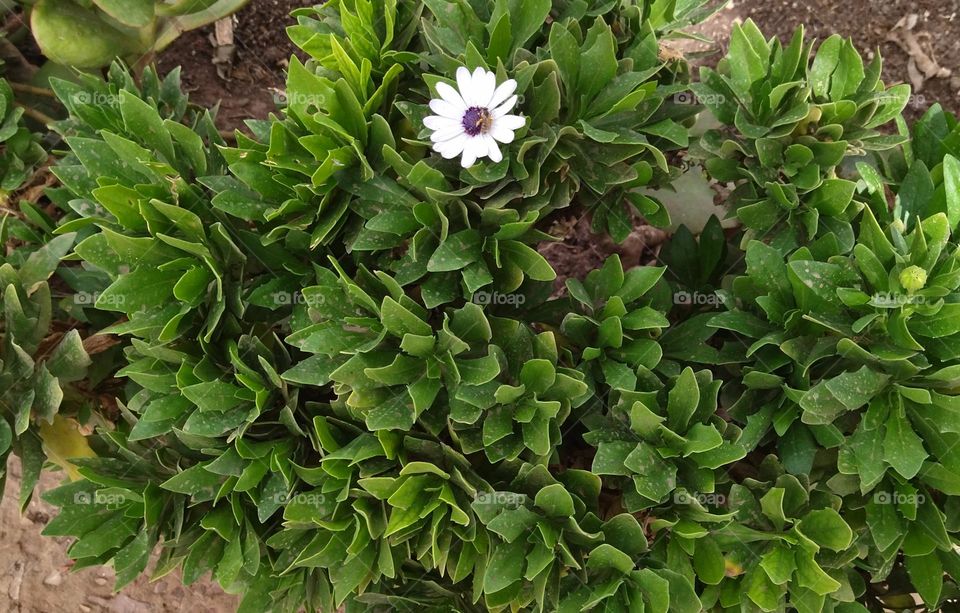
<point>100,580</point>
<point>53,579</point>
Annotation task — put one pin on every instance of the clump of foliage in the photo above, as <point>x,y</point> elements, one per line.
<point>792,117</point>
<point>344,377</point>
<point>92,33</point>
<point>21,150</point>
<point>40,358</point>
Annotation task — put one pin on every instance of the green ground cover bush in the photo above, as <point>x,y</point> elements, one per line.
<point>343,376</point>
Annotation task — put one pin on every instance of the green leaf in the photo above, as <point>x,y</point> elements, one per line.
<point>141,289</point>
<point>69,361</point>
<point>945,322</point>
<point>683,400</point>
<point>133,13</point>
<point>926,574</point>
<point>811,576</point>
<point>669,130</point>
<point>855,389</point>
<point>566,53</point>
<point>638,281</point>
<point>145,122</point>
<point>826,528</point>
<point>916,192</point>
<point>529,261</point>
<point>746,66</point>
<point>708,561</point>
<point>458,251</point>
<point>555,501</point>
<point>194,481</point>
<point>505,566</point>
<point>833,196</point>
<point>779,564</point>
<point>213,396</point>
<point>6,437</point>
<point>526,16</point>
<point>400,321</point>
<point>43,262</point>
<point>951,183</point>
<point>91,43</point>
<point>599,53</point>
<point>610,457</point>
<point>606,556</point>
<point>903,450</point>
<point>762,591</point>
<point>824,65</point>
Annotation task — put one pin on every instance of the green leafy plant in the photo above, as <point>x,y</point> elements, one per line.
<point>43,362</point>
<point>38,366</point>
<point>796,115</point>
<point>21,149</point>
<point>343,377</point>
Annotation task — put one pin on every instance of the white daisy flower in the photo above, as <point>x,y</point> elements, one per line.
<point>474,120</point>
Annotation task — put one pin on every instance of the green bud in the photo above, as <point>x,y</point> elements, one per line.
<point>913,278</point>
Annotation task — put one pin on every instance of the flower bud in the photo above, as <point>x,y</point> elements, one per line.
<point>913,278</point>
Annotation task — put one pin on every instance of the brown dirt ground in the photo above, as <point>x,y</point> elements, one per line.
<point>247,86</point>
<point>34,570</point>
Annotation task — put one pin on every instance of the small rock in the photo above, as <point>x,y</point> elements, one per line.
<point>53,579</point>
<point>100,580</point>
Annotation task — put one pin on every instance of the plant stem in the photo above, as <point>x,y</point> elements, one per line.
<point>182,24</point>
<point>31,89</point>
<point>38,115</point>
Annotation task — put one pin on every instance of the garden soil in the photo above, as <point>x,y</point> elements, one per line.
<point>920,44</point>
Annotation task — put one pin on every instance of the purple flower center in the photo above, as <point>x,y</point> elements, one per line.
<point>477,119</point>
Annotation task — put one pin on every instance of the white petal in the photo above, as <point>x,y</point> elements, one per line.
<point>469,158</point>
<point>448,110</point>
<point>504,135</point>
<point>483,87</point>
<point>465,85</point>
<point>475,148</point>
<point>450,95</point>
<point>438,122</point>
<point>479,145</point>
<point>510,122</point>
<point>451,148</point>
<point>503,92</point>
<point>447,134</point>
<point>493,149</point>
<point>505,108</point>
